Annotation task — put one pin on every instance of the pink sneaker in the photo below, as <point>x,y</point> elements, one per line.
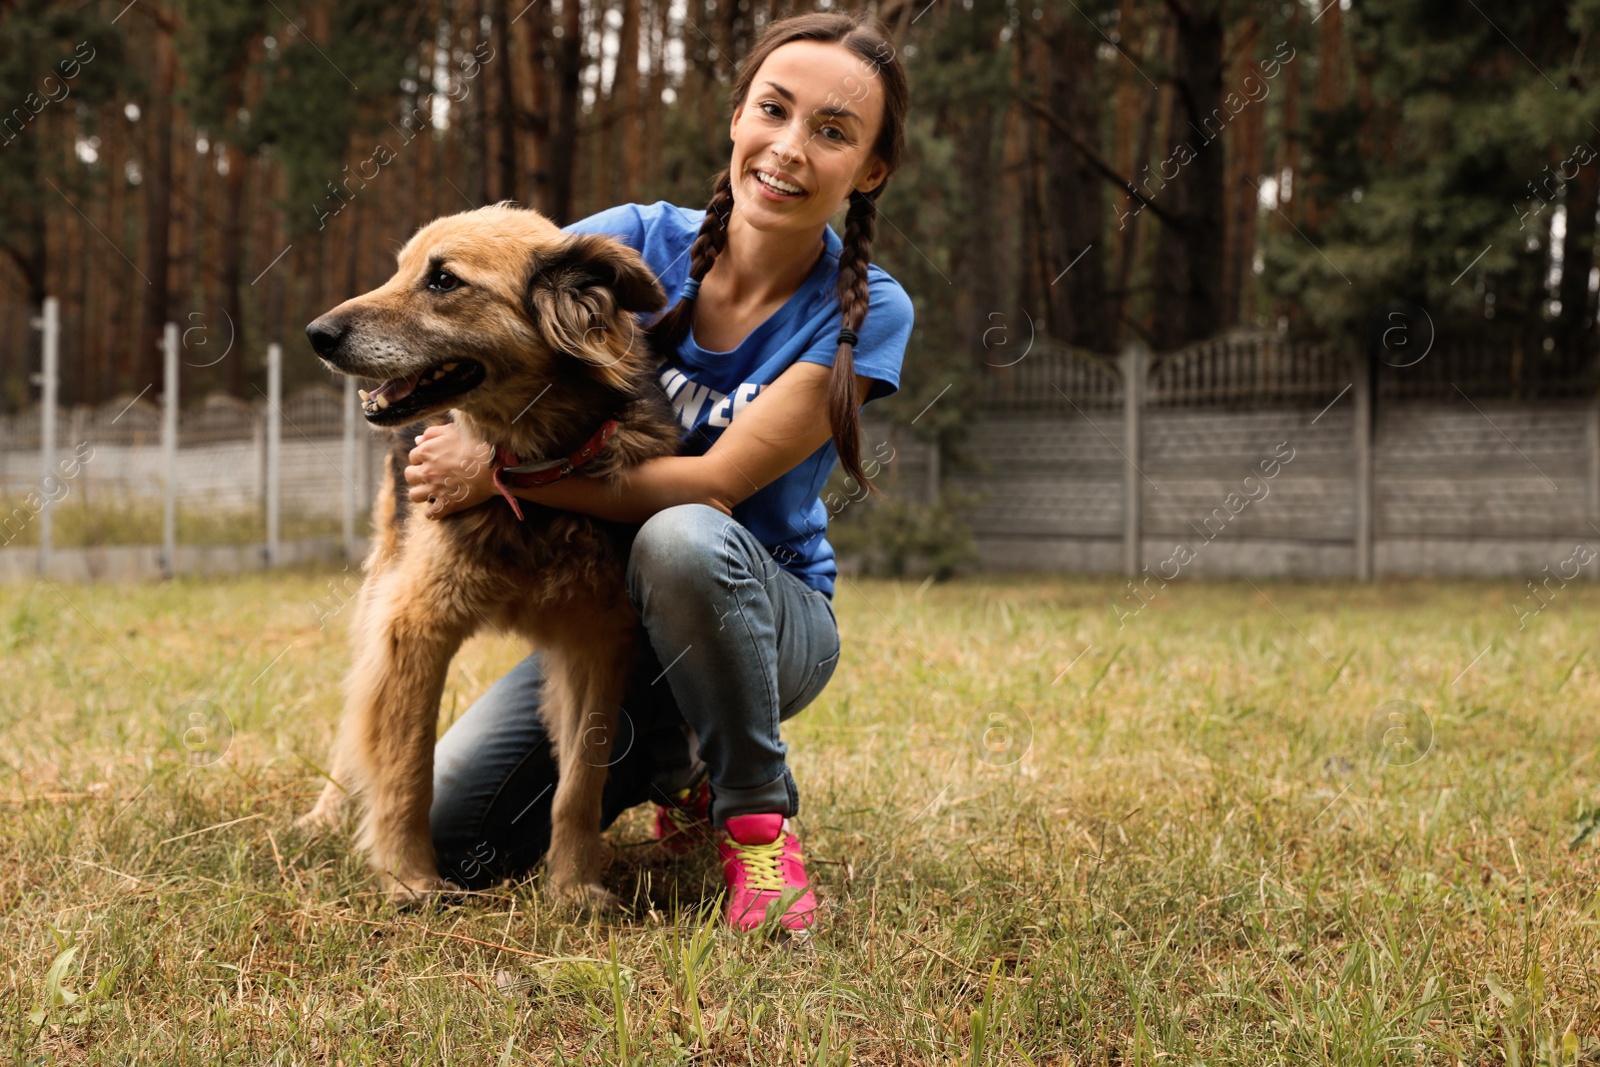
<point>686,823</point>
<point>762,865</point>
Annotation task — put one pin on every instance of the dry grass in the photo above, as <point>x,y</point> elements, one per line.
<point>139,522</point>
<point>1183,847</point>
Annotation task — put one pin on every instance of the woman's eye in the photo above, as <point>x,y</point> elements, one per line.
<point>775,111</point>
<point>836,131</point>
<point>442,281</point>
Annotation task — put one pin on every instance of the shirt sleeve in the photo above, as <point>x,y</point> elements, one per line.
<point>880,346</point>
<point>624,222</point>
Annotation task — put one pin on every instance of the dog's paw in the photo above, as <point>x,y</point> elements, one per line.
<point>319,820</point>
<point>582,896</point>
<point>418,891</point>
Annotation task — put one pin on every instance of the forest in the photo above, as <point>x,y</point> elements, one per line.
<point>1082,173</point>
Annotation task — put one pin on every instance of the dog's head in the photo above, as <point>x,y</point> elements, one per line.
<point>487,309</point>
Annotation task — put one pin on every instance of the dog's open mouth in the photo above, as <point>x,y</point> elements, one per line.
<point>400,399</point>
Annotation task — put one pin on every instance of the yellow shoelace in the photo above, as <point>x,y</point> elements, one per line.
<point>683,819</point>
<point>762,865</point>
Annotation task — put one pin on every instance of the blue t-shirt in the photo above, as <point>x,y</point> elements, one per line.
<point>708,389</point>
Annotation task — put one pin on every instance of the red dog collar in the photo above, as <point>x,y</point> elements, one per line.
<point>512,472</point>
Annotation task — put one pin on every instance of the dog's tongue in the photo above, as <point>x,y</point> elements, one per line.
<point>396,388</point>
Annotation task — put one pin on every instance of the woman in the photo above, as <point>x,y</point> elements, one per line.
<point>779,333</point>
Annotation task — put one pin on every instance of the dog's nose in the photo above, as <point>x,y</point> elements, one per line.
<point>325,334</point>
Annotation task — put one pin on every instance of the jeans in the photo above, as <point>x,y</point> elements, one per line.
<point>736,644</point>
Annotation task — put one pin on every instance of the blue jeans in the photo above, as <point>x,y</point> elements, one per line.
<point>736,644</point>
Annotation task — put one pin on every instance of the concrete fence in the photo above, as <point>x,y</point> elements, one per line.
<point>1253,458</point>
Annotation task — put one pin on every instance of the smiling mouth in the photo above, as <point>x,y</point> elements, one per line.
<point>402,399</point>
<point>767,182</point>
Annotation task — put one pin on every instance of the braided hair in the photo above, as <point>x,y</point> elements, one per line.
<point>869,40</point>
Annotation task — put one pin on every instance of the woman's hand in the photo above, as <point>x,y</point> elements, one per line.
<point>449,471</point>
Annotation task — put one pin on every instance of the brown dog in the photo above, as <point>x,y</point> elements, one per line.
<point>526,336</point>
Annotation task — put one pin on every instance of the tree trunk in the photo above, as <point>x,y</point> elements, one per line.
<point>1075,236</point>
<point>1331,62</point>
<point>231,255</point>
<point>115,313</point>
<point>654,107</point>
<point>1244,157</point>
<point>1287,172</point>
<point>601,144</point>
<point>979,287</point>
<point>538,45</point>
<point>157,186</point>
<point>1153,107</point>
<point>625,104</point>
<point>1188,270</point>
<point>185,224</point>
<point>476,131</point>
<point>1033,282</point>
<point>564,129</point>
<point>506,105</point>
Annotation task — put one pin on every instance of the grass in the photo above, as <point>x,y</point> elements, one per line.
<point>1039,839</point>
<point>139,522</point>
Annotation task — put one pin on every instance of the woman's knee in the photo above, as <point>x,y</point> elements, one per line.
<point>678,546</point>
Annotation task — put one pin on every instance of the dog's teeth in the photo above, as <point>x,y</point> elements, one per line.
<point>449,366</point>
<point>383,402</point>
<point>364,394</point>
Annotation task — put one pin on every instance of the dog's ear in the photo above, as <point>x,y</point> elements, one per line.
<point>588,260</point>
<point>576,293</point>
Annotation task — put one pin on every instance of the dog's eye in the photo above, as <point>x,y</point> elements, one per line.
<point>442,281</point>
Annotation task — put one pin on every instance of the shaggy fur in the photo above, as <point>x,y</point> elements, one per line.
<point>538,326</point>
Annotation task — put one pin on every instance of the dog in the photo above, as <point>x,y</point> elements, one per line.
<point>527,338</point>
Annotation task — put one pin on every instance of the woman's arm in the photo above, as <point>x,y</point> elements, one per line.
<point>785,423</point>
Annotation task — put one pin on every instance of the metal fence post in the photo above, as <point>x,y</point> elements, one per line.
<point>1135,361</point>
<point>274,447</point>
<point>50,376</point>
<point>169,448</point>
<point>349,510</point>
<point>363,472</point>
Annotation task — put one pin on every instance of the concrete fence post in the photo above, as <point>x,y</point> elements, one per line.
<point>1592,465</point>
<point>169,449</point>
<point>49,380</point>
<point>1135,361</point>
<point>1361,482</point>
<point>274,416</point>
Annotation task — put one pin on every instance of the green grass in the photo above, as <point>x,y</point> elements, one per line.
<point>1182,849</point>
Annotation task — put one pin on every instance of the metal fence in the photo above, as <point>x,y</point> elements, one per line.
<point>308,458</point>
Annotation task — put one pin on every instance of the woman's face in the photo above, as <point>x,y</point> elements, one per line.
<point>810,119</point>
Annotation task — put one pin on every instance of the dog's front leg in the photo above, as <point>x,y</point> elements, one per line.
<point>584,687</point>
<point>410,636</point>
<point>344,770</point>
<point>329,809</point>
